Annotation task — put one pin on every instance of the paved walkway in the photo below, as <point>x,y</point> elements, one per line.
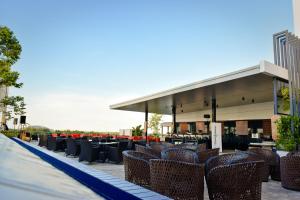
<point>25,176</point>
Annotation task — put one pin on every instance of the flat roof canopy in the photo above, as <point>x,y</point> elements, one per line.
<point>253,83</point>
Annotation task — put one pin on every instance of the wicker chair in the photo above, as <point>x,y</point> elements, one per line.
<point>137,168</point>
<point>275,170</point>
<point>203,156</point>
<point>290,171</point>
<point>177,180</point>
<point>236,181</point>
<point>227,159</point>
<point>270,160</point>
<point>147,150</point>
<point>73,147</point>
<point>182,155</point>
<point>188,146</point>
<point>43,140</point>
<point>88,151</point>
<point>201,147</point>
<point>114,153</point>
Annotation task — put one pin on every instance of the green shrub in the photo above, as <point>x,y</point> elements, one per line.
<point>11,133</point>
<point>287,140</point>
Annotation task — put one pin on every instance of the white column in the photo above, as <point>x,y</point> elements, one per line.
<point>296,10</point>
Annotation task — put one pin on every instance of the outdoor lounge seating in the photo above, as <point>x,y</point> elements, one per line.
<point>177,180</point>
<point>73,147</point>
<point>43,140</point>
<point>275,170</point>
<point>234,176</point>
<point>56,143</point>
<point>290,171</point>
<point>203,156</point>
<point>147,150</point>
<point>182,155</point>
<point>270,161</point>
<point>137,167</point>
<point>88,151</point>
<point>235,181</point>
<point>114,153</point>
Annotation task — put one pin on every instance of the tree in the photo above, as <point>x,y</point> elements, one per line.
<point>10,50</point>
<point>154,123</point>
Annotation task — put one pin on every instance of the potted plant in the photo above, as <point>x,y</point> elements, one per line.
<point>287,139</point>
<point>137,132</point>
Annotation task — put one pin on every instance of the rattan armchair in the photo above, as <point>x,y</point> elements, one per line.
<point>177,180</point>
<point>275,170</point>
<point>188,146</point>
<point>270,160</point>
<point>182,155</point>
<point>236,181</point>
<point>227,159</point>
<point>147,150</point>
<point>203,156</point>
<point>137,168</point>
<point>290,171</point>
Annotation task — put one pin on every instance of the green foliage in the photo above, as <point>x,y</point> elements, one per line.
<point>33,130</point>
<point>286,139</point>
<point>10,50</point>
<point>83,132</point>
<point>286,98</point>
<point>137,131</point>
<point>156,135</point>
<point>8,77</point>
<point>11,133</point>
<point>14,104</point>
<point>155,122</point>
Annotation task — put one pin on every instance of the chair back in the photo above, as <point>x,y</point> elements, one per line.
<point>203,156</point>
<point>182,155</point>
<point>234,181</point>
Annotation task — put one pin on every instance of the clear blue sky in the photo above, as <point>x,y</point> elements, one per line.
<point>109,51</point>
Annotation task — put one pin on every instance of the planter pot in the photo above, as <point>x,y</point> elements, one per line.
<point>282,153</point>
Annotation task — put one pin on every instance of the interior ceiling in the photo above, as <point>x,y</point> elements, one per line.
<point>257,88</point>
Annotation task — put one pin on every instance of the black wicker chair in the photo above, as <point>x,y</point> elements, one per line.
<point>88,151</point>
<point>43,140</point>
<point>114,153</point>
<point>73,147</point>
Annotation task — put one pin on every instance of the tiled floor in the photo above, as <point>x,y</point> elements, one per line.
<point>271,190</point>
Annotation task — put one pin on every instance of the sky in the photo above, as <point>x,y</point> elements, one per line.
<point>80,56</point>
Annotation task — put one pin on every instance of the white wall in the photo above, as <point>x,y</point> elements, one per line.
<point>296,8</point>
<point>244,112</point>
